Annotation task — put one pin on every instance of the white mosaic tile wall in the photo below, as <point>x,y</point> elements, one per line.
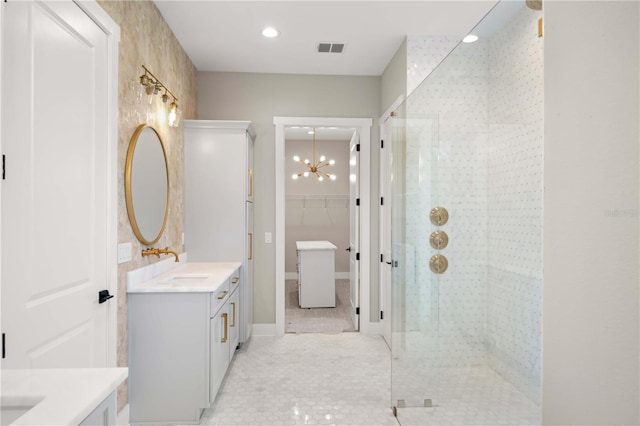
<point>514,191</point>
<point>424,53</point>
<point>480,113</point>
<point>450,109</point>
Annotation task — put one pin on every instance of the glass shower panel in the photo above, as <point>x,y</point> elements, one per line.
<point>466,292</point>
<point>415,322</point>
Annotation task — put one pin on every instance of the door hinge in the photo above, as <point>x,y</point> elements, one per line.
<point>382,201</point>
<point>381,143</point>
<point>358,147</point>
<point>357,256</point>
<point>4,354</point>
<point>381,258</point>
<point>358,311</point>
<point>357,201</point>
<point>381,315</point>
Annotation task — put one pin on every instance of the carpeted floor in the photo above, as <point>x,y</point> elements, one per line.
<point>318,320</point>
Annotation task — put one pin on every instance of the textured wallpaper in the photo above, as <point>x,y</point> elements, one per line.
<point>146,39</point>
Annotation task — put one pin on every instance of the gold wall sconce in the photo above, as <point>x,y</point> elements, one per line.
<point>153,86</point>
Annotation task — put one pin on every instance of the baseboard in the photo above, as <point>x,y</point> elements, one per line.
<point>123,416</point>
<point>294,275</point>
<point>264,330</point>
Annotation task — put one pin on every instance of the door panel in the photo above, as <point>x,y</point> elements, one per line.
<point>354,230</point>
<point>415,320</point>
<point>385,230</point>
<point>55,196</point>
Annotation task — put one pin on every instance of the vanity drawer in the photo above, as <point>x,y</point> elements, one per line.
<point>219,297</point>
<point>234,280</point>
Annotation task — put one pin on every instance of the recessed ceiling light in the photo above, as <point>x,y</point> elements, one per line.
<point>470,38</point>
<point>270,32</point>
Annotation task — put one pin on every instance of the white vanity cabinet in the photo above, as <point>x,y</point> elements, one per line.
<point>218,202</point>
<point>180,344</point>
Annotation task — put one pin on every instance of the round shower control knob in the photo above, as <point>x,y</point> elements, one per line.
<point>438,240</point>
<point>438,264</point>
<point>439,216</point>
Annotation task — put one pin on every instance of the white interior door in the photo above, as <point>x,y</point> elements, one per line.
<point>354,229</point>
<point>55,207</point>
<point>385,231</point>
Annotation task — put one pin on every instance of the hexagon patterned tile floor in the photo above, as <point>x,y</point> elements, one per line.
<point>344,379</point>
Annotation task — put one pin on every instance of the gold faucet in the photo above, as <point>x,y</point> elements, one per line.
<point>158,251</point>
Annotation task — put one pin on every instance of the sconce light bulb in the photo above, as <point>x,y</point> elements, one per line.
<point>296,158</point>
<point>332,162</point>
<point>165,98</point>
<point>144,80</point>
<point>173,114</point>
<point>294,176</point>
<point>322,158</point>
<point>156,88</point>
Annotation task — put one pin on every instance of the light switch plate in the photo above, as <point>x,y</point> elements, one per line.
<point>267,237</point>
<point>124,252</point>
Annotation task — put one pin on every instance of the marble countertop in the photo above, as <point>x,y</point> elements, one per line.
<point>315,245</point>
<point>188,277</point>
<point>64,396</point>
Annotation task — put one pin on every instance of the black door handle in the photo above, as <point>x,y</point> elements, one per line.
<point>388,263</point>
<point>348,249</point>
<point>103,296</point>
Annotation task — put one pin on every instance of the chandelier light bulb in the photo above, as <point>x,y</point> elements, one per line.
<point>306,161</point>
<point>333,177</point>
<point>332,162</point>
<point>320,178</point>
<point>322,158</point>
<point>296,158</point>
<point>294,176</point>
<point>305,174</point>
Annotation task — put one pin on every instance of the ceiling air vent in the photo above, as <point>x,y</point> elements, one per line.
<point>329,47</point>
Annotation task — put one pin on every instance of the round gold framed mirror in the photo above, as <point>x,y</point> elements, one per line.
<point>146,184</point>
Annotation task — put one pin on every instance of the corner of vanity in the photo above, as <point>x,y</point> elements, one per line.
<point>183,334</point>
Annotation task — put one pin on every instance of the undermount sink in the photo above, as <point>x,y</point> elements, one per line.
<point>12,410</point>
<point>187,278</point>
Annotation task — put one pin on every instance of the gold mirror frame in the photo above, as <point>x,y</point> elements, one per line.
<point>128,190</point>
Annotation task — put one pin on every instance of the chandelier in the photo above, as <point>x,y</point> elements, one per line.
<point>314,167</point>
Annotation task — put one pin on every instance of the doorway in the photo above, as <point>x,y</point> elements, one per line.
<point>321,226</point>
<point>363,129</point>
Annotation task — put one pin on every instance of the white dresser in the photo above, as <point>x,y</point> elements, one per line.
<point>316,274</point>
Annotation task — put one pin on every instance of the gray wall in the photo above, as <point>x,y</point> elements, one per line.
<point>393,81</point>
<point>259,98</point>
<point>590,302</point>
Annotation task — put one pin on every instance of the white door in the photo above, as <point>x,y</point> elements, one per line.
<point>55,204</point>
<point>385,231</point>
<point>354,230</point>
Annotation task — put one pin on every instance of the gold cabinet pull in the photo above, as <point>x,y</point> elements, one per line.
<point>233,315</point>
<point>224,294</point>
<point>250,246</point>
<point>250,182</point>
<point>225,317</point>
<point>235,280</point>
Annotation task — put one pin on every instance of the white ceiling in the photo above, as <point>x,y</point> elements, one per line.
<point>226,35</point>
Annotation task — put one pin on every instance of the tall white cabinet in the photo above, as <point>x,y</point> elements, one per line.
<point>218,199</point>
